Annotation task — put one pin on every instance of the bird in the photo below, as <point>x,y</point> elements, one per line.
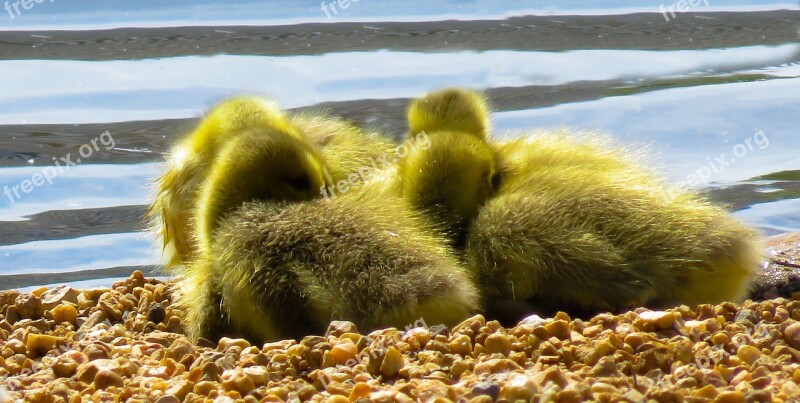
<point>171,214</point>
<point>575,223</point>
<point>277,260</point>
<point>450,169</point>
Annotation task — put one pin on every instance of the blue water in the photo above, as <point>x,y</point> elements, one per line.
<point>688,105</point>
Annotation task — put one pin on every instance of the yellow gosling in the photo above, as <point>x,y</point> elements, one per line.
<point>188,164</point>
<point>579,224</point>
<point>348,148</point>
<point>452,173</point>
<point>285,269</point>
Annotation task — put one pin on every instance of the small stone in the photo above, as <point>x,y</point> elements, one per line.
<point>520,387</point>
<point>180,348</point>
<point>29,306</point>
<point>708,392</point>
<point>65,313</point>
<point>340,327</point>
<point>461,345</point>
<point>39,344</point>
<point>558,329</point>
<point>225,343</point>
<point>533,320</point>
<point>730,397</point>
<point>747,315</point>
<point>236,379</point>
<point>361,390</point>
<point>660,320</point>
<point>498,343</point>
<point>487,388</point>
<point>58,295</point>
<point>792,335</point>
<point>748,354</point>
<point>168,399</point>
<point>106,378</point>
<point>392,362</point>
<point>180,389</point>
<point>496,366</point>
<point>344,351</point>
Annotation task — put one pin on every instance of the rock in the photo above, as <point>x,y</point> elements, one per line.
<point>59,295</point>
<point>659,320</point>
<point>792,335</point>
<point>344,351</point>
<point>393,361</point>
<point>520,387</point>
<point>39,344</point>
<point>106,378</point>
<point>65,313</point>
<point>498,343</point>
<point>339,327</point>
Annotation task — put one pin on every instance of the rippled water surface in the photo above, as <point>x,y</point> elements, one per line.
<point>713,94</point>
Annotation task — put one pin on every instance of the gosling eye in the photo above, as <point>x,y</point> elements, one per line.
<point>497,178</point>
<point>301,183</point>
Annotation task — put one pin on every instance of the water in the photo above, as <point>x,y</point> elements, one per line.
<point>713,95</point>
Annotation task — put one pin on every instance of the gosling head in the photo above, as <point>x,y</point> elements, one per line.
<point>449,179</point>
<point>452,173</point>
<point>260,165</point>
<point>450,110</point>
<point>237,115</point>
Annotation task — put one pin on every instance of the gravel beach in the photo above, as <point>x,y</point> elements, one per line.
<point>125,343</point>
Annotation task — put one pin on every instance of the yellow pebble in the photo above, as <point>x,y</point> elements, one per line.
<point>392,362</point>
<point>499,343</point>
<point>344,351</point>
<point>64,313</point>
<point>461,345</point>
<point>360,390</point>
<point>748,354</point>
<point>720,339</point>
<point>338,399</point>
<point>730,397</point>
<point>40,344</point>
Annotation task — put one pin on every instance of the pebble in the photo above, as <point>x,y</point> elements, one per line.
<point>65,313</point>
<point>748,354</point>
<point>660,320</point>
<point>393,361</point>
<point>498,343</point>
<point>792,335</point>
<point>520,387</point>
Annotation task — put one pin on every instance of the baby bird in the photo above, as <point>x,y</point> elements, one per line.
<point>188,164</point>
<point>287,261</point>
<point>579,226</point>
<point>452,173</point>
<point>171,214</point>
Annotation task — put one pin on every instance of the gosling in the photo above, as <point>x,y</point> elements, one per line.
<point>171,214</point>
<point>279,261</point>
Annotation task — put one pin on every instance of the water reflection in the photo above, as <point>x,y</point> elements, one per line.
<point>113,91</point>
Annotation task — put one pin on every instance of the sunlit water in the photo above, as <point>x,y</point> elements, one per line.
<point>712,95</point>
